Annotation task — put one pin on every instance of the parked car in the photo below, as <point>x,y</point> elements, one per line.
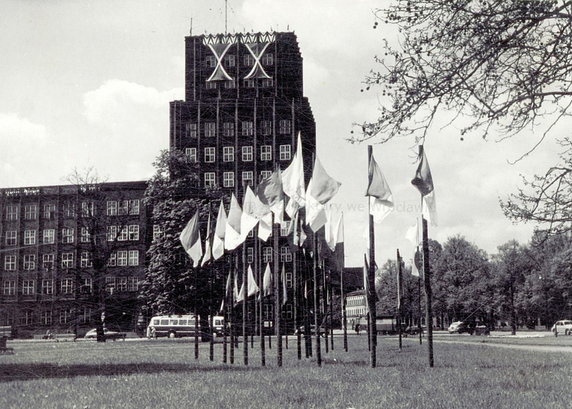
<point>459,327</point>
<point>301,329</point>
<point>562,327</point>
<point>109,335</point>
<point>414,330</point>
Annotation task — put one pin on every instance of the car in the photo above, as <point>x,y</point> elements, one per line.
<point>459,327</point>
<point>301,330</point>
<point>562,327</point>
<point>109,335</point>
<point>414,330</point>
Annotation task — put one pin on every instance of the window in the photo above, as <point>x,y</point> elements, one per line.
<point>210,179</point>
<point>85,315</point>
<point>123,207</point>
<point>247,153</point>
<point>287,311</point>
<point>247,128</point>
<point>266,152</point>
<point>47,286</point>
<point>210,155</point>
<point>191,154</point>
<point>228,179</point>
<point>66,315</point>
<point>110,284</point>
<point>249,83</point>
<point>27,317</point>
<point>267,254</point>
<point>9,287</point>
<point>48,261</point>
<point>112,207</point>
<point>228,154</point>
<point>285,153</point>
<point>29,261</point>
<point>122,258</point>
<point>84,237</point>
<point>28,287</point>
<point>10,262</point>
<point>49,211</point>
<point>157,232</point>
<point>247,178</point>
<point>69,209</point>
<point>211,85</point>
<point>46,318</point>
<point>111,233</point>
<point>67,286</point>
<point>230,84</point>
<point>247,60</point>
<point>121,284</point>
<point>49,236</point>
<point>29,237</point>
<point>123,233</point>
<point>30,211</point>
<point>67,260</point>
<point>210,61</point>
<point>11,237</point>
<point>86,286</point>
<point>67,235</point>
<point>87,209</point>
<point>12,212</point>
<point>285,228</point>
<point>265,174</point>
<point>267,83</point>
<point>266,127</point>
<point>134,207</point>
<point>133,284</point>
<point>285,255</point>
<point>133,232</point>
<point>133,257</point>
<point>112,260</point>
<point>250,255</point>
<point>85,259</point>
<point>228,129</point>
<point>230,60</point>
<point>267,59</point>
<point>210,129</point>
<point>284,126</point>
<point>288,280</point>
<point>191,130</point>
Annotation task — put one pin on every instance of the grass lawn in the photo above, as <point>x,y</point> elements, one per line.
<point>164,374</point>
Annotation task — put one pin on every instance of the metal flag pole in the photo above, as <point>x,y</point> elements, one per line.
<point>371,277</point>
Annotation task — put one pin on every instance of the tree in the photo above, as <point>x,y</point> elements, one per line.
<point>172,285</point>
<point>500,65</point>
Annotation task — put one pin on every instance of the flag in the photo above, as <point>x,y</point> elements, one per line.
<point>417,265</point>
<point>232,236</point>
<point>339,251</point>
<point>284,286</point>
<point>366,281</point>
<point>265,227</point>
<point>252,287</point>
<point>320,190</point>
<point>252,211</point>
<point>240,296</point>
<point>236,292</point>
<point>208,241</point>
<point>270,192</point>
<point>191,239</point>
<point>218,238</point>
<point>267,281</point>
<point>423,181</point>
<point>293,182</point>
<point>380,197</point>
<point>413,234</point>
<point>227,292</point>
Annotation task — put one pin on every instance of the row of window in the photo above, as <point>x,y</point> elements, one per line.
<point>119,233</point>
<point>229,60</point>
<point>250,83</point>
<point>209,153</point>
<point>120,258</point>
<point>67,315</point>
<point>247,128</point>
<point>67,286</point>
<point>113,208</point>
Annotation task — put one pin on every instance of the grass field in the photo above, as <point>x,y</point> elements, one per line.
<point>164,374</point>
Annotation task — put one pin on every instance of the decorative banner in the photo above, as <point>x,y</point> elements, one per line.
<point>257,71</point>
<point>219,73</point>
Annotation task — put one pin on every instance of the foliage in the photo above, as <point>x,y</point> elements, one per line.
<point>498,66</point>
<point>171,284</point>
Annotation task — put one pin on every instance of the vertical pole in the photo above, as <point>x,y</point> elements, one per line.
<point>316,299</point>
<point>325,307</point>
<point>344,314</point>
<point>399,300</point>
<point>371,296</point>
<point>428,294</point>
<point>261,302</point>
<point>277,301</point>
<point>419,327</point>
<point>330,303</point>
<point>296,295</point>
<point>244,306</point>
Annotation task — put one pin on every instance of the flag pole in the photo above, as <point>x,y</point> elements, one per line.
<point>316,299</point>
<point>244,306</point>
<point>399,300</point>
<point>428,293</point>
<point>261,303</point>
<point>371,297</point>
<point>277,302</point>
<point>296,295</point>
<point>344,314</point>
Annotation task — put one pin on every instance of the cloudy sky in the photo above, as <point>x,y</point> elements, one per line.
<point>88,82</point>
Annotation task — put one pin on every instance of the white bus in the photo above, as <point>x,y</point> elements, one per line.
<point>174,326</point>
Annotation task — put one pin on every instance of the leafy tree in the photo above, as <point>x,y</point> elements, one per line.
<point>172,285</point>
<point>498,66</point>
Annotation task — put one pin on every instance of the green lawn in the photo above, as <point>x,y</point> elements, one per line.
<point>164,374</point>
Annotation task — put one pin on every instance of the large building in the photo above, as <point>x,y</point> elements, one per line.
<point>244,108</point>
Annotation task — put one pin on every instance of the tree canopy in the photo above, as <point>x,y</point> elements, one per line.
<point>501,65</point>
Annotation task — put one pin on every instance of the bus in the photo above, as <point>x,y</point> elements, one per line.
<point>172,326</point>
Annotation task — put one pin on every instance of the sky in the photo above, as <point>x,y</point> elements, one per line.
<point>87,83</point>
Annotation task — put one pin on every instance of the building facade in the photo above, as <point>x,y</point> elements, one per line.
<point>48,280</point>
